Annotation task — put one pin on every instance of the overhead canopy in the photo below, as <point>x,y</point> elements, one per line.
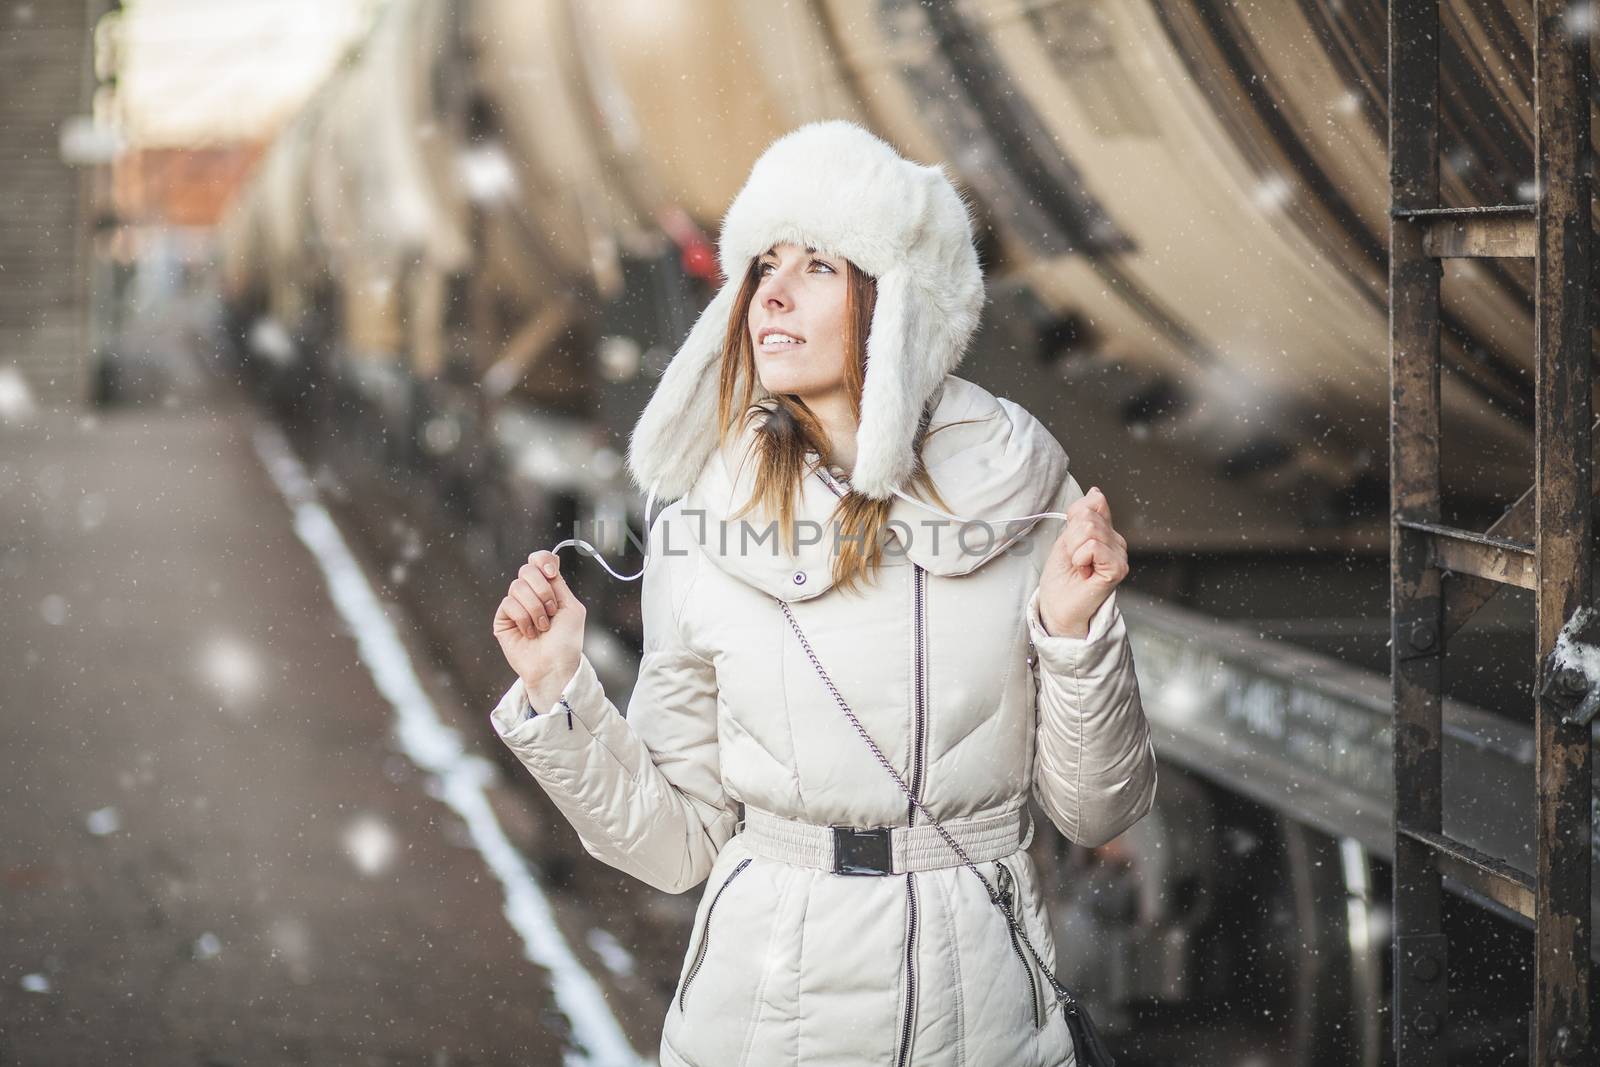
<point>197,71</point>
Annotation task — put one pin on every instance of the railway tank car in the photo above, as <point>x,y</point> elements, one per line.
<point>270,261</point>
<point>484,238</point>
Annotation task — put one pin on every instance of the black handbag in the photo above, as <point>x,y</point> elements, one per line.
<point>1090,1050</point>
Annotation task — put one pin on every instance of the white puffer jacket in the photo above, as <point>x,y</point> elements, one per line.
<point>798,965</point>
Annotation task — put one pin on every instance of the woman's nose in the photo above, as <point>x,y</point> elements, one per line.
<point>775,295</point>
<point>774,291</point>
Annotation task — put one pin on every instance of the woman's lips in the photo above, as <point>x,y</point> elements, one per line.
<point>780,346</point>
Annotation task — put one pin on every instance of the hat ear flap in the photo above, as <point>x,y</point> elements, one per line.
<point>904,366</point>
<point>676,432</point>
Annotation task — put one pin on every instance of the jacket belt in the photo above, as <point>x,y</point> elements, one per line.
<point>884,849</point>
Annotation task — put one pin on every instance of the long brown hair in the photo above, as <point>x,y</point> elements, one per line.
<point>786,428</point>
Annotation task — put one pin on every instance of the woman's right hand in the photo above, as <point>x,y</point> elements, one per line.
<point>539,625</point>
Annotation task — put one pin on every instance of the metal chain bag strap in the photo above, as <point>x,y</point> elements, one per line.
<point>1091,1051</point>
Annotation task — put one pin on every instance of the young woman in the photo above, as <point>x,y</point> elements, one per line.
<point>817,447</point>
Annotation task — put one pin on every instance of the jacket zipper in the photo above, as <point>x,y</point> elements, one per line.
<point>1007,882</point>
<point>918,743</point>
<point>911,971</point>
<point>919,738</point>
<point>705,933</point>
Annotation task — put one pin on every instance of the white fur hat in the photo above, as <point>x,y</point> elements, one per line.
<point>837,187</point>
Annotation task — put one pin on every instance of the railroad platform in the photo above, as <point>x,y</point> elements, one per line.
<point>237,828</point>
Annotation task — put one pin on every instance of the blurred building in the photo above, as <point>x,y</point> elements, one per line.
<point>46,79</point>
<point>120,120</point>
<point>181,186</point>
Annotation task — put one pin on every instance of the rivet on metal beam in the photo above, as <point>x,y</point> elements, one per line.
<point>1423,635</point>
<point>1425,968</point>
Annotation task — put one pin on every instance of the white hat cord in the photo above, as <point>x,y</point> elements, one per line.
<point>651,495</point>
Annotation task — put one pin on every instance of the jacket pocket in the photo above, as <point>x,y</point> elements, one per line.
<point>705,931</point>
<point>1007,885</point>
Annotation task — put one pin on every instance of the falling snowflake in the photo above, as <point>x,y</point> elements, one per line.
<point>234,669</point>
<point>370,844</point>
<point>16,399</point>
<point>207,946</point>
<point>104,821</point>
<point>53,609</point>
<point>1272,192</point>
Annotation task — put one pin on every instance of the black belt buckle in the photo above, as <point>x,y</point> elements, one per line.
<point>862,851</point>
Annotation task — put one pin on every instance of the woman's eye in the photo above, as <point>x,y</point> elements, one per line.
<point>761,269</point>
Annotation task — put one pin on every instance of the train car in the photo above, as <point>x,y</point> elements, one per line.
<point>513,209</point>
<point>271,267</point>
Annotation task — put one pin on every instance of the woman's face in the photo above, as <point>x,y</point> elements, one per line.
<point>801,294</point>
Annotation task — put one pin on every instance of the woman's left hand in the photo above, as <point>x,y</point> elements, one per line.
<point>1085,564</point>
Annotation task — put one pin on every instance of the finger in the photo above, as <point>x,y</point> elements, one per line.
<point>562,591</point>
<point>548,562</point>
<point>518,615</point>
<point>1104,560</point>
<point>540,585</point>
<point>535,603</point>
<point>549,565</point>
<point>1099,525</point>
<point>1108,533</point>
<point>1078,530</point>
<point>1096,501</point>
<point>503,618</point>
<point>1091,508</point>
<point>1082,556</point>
<point>525,595</point>
<point>1094,553</point>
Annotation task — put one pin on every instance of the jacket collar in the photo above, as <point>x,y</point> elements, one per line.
<point>999,462</point>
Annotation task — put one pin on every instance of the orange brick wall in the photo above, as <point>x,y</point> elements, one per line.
<point>181,186</point>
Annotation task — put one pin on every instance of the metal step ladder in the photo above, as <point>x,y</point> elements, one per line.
<point>1543,543</point>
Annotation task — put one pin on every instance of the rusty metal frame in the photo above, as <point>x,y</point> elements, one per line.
<point>1544,542</point>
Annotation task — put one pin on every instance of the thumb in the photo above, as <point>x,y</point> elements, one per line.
<point>1096,501</point>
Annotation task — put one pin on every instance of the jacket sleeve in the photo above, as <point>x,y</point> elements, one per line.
<point>644,792</point>
<point>1094,771</point>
